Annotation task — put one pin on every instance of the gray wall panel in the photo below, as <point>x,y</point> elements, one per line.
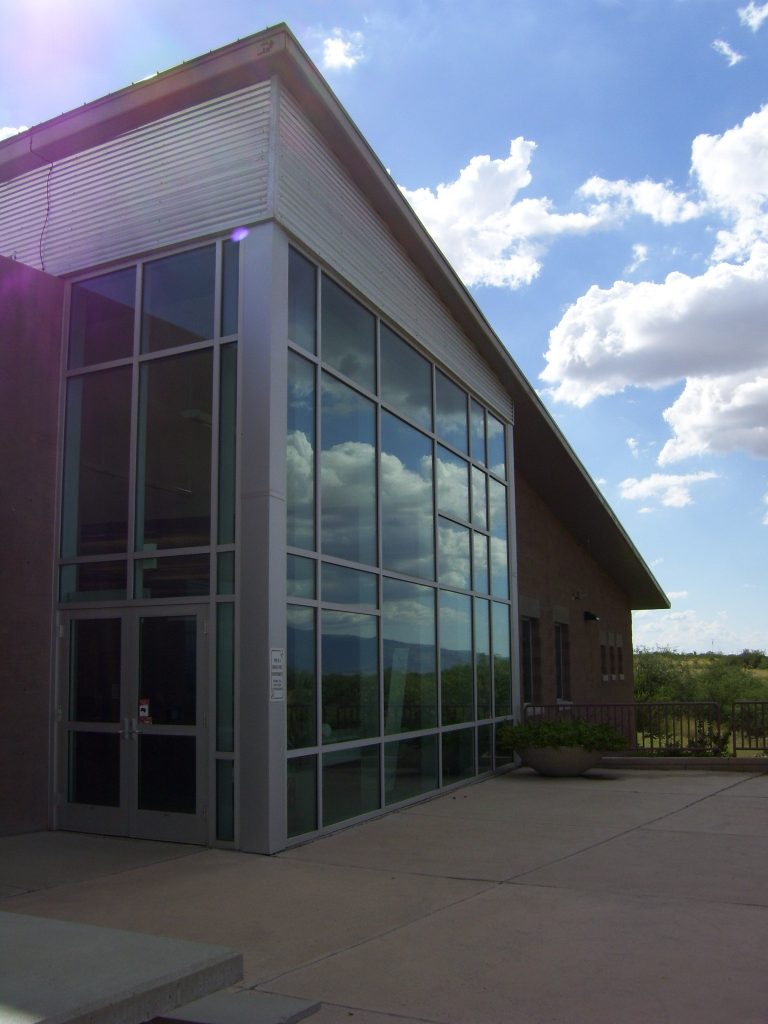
<point>187,175</point>
<point>318,202</point>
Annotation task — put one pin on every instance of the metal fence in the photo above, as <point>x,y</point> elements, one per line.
<point>675,728</point>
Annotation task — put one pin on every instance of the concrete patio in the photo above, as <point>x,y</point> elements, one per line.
<point>622,896</point>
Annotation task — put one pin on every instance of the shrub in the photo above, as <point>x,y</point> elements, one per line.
<point>562,732</point>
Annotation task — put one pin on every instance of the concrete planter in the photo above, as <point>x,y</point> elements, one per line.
<point>560,761</point>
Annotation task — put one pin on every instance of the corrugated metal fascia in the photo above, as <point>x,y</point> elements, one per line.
<point>320,204</point>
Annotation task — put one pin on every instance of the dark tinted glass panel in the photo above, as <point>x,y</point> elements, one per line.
<point>302,301</point>
<point>300,483</point>
<point>94,670</point>
<point>302,795</point>
<point>458,755</point>
<point>101,318</point>
<point>502,666</point>
<point>348,474</point>
<point>230,288</point>
<point>302,677</point>
<point>94,768</point>
<point>301,576</point>
<point>483,658</point>
<point>177,576</point>
<point>226,573</point>
<point>452,484</point>
<point>477,431</point>
<point>499,554</point>
<point>407,505</point>
<point>480,562</point>
<point>453,545</point>
<point>350,783</point>
<point>225,677</point>
<point>502,758</point>
<point>350,676</point>
<point>227,443</point>
<point>168,668</point>
<point>406,379</point>
<point>451,411</point>
<point>178,299</point>
<point>479,499</point>
<point>410,768</point>
<point>349,335</point>
<point>96,455</point>
<point>497,460</point>
<point>456,658</point>
<point>167,774</point>
<point>225,801</point>
<point>485,748</point>
<point>410,668</point>
<point>174,467</point>
<point>93,581</point>
<point>349,586</point>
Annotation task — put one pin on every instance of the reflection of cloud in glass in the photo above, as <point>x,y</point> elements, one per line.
<point>348,477</point>
<point>454,554</point>
<point>300,490</point>
<point>452,484</point>
<point>407,516</point>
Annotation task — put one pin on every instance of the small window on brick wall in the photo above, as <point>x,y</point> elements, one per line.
<point>611,657</point>
<point>529,658</point>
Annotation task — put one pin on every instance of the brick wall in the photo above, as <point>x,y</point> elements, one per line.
<point>30,342</point>
<point>558,581</point>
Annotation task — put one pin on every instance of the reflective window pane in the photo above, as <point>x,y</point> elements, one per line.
<point>406,379</point>
<point>301,677</point>
<point>499,553</point>
<point>349,335</point>
<point>479,499</point>
<point>174,464</point>
<point>301,576</point>
<point>101,318</point>
<point>483,658</point>
<point>407,507</point>
<point>300,482</point>
<point>230,288</point>
<point>458,755</point>
<point>176,576</point>
<point>302,795</point>
<point>225,677</point>
<point>96,457</point>
<point>497,460</point>
<point>227,443</point>
<point>168,668</point>
<point>94,769</point>
<point>167,770</point>
<point>410,768</point>
<point>178,299</point>
<point>302,301</point>
<point>350,783</point>
<point>348,473</point>
<point>480,563</point>
<point>225,573</point>
<point>341,585</point>
<point>94,670</point>
<point>451,412</point>
<point>456,658</point>
<point>454,559</point>
<point>477,432</point>
<point>485,748</point>
<point>225,801</point>
<point>502,664</point>
<point>350,676</point>
<point>93,581</point>
<point>452,484</point>
<point>410,676</point>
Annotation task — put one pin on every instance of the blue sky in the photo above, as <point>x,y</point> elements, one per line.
<point>597,172</point>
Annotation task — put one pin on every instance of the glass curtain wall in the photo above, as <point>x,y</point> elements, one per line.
<point>149,474</point>
<point>398,647</point>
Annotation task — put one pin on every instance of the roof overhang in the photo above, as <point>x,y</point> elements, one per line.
<point>542,454</point>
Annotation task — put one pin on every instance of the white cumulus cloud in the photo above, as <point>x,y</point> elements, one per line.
<point>6,132</point>
<point>673,491</point>
<point>726,50</point>
<point>342,50</point>
<point>652,198</point>
<point>753,15</point>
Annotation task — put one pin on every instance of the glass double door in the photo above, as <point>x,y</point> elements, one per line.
<point>131,713</point>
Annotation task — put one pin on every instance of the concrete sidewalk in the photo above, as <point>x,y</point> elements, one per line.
<point>618,897</point>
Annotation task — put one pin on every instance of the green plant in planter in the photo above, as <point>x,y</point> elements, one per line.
<point>560,732</point>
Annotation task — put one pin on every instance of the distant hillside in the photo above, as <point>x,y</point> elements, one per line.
<point>663,674</point>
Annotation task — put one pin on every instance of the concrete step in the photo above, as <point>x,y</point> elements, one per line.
<point>57,972</point>
<point>247,1006</point>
